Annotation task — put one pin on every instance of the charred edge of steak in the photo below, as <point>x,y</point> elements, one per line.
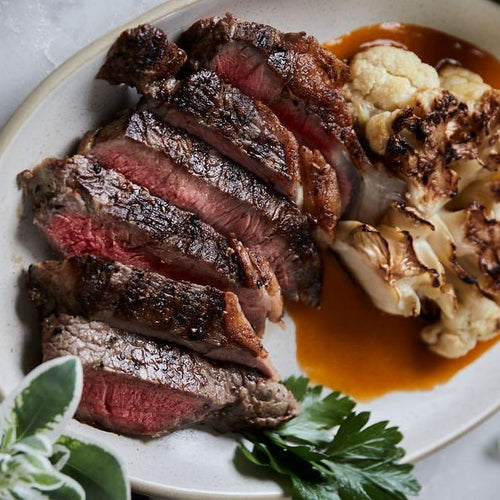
<point>120,215</point>
<point>246,131</point>
<point>200,317</point>
<point>322,201</point>
<point>138,386</point>
<point>296,77</point>
<point>143,58</point>
<point>229,198</point>
<point>203,40</point>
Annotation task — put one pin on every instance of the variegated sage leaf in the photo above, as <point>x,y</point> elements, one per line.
<point>97,470</point>
<point>46,400</point>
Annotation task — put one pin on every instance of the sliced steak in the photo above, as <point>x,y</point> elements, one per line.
<point>202,318</point>
<point>295,76</point>
<point>187,172</point>
<point>243,129</point>
<point>321,197</point>
<point>143,58</point>
<point>246,131</point>
<point>84,208</point>
<point>137,386</point>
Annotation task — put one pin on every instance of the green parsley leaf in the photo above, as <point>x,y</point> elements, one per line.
<point>330,451</point>
<point>318,415</point>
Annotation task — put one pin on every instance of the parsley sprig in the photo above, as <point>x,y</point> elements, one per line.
<point>330,452</point>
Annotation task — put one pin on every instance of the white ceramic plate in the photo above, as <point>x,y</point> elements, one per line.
<point>196,463</point>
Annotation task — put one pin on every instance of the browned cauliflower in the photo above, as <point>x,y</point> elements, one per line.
<point>399,270</point>
<point>440,250</point>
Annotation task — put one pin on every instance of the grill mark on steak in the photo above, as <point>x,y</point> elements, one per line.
<point>202,318</point>
<point>85,208</point>
<point>138,386</point>
<point>295,76</point>
<point>187,172</point>
<point>143,58</point>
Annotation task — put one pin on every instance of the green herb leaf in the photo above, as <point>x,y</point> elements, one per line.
<point>318,415</point>
<point>34,444</point>
<point>70,490</point>
<point>46,400</point>
<point>86,464</point>
<point>60,456</point>
<point>330,451</point>
<point>31,467</point>
<point>304,490</point>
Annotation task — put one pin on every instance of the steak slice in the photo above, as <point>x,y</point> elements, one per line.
<point>249,133</point>
<point>134,385</point>
<point>201,318</point>
<point>143,58</point>
<point>243,129</point>
<point>84,208</point>
<point>295,76</point>
<point>187,172</point>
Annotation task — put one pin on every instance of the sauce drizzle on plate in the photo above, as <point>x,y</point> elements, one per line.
<point>432,46</point>
<point>351,346</point>
<point>348,344</point>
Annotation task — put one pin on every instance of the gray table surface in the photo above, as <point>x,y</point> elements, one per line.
<point>38,35</point>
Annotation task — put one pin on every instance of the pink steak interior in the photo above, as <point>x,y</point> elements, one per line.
<point>138,407</point>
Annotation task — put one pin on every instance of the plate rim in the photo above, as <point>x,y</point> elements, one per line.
<point>13,127</point>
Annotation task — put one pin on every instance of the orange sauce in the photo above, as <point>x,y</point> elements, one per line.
<point>432,46</point>
<point>351,346</point>
<point>348,344</point>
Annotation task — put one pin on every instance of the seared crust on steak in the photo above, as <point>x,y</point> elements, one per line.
<point>322,201</point>
<point>190,174</point>
<point>85,208</point>
<point>245,130</point>
<point>201,318</point>
<point>143,58</point>
<point>138,386</point>
<point>295,76</point>
<point>248,132</point>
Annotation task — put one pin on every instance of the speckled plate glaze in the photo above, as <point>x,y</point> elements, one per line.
<point>195,463</point>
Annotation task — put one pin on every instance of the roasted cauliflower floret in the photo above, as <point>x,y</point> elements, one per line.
<point>477,242</point>
<point>440,135</point>
<point>420,142</point>
<point>486,125</point>
<point>385,78</point>
<point>485,188</point>
<point>401,274</point>
<point>465,85</point>
<point>477,318</point>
